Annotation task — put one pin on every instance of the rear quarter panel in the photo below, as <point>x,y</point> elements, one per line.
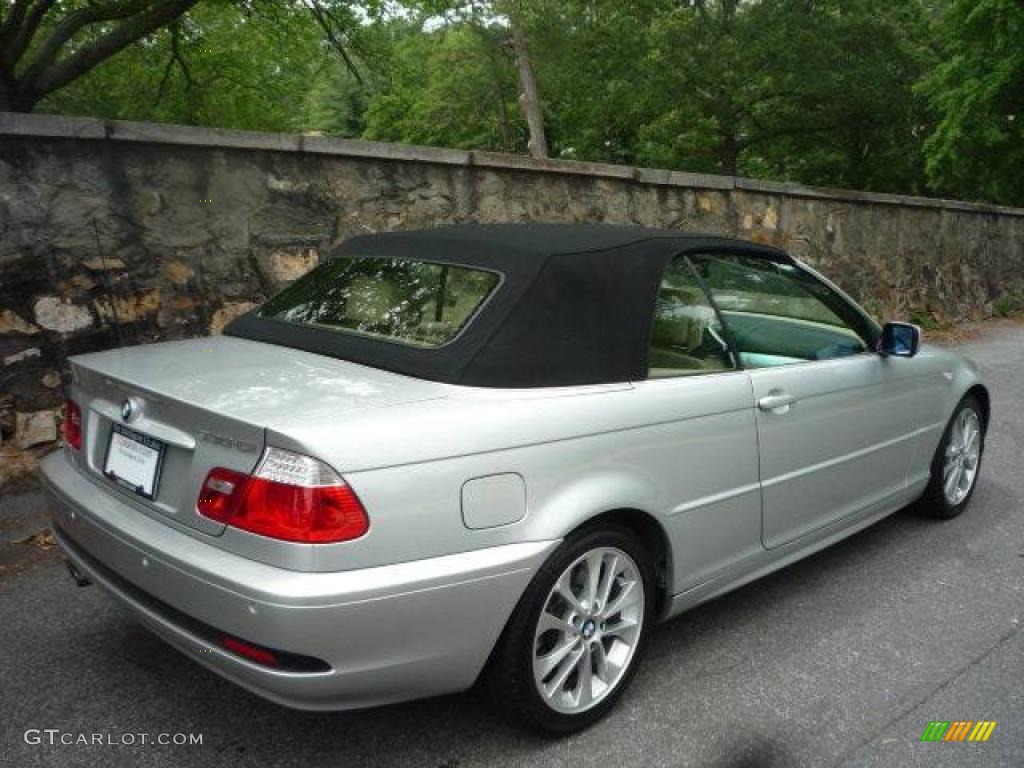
<point>675,450</point>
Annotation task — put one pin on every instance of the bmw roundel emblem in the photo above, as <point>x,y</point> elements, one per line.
<point>129,409</point>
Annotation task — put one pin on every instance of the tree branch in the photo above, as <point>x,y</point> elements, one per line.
<point>73,23</point>
<point>175,57</point>
<point>18,31</point>
<point>126,33</point>
<point>327,24</point>
<point>13,18</point>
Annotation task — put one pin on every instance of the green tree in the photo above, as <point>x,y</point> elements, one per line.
<point>44,44</point>
<point>219,66</point>
<point>454,86</point>
<point>815,91</point>
<point>236,63</point>
<point>597,90</point>
<point>853,119</point>
<point>977,148</point>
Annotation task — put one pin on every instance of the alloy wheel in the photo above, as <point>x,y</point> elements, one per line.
<point>963,452</point>
<point>588,630</point>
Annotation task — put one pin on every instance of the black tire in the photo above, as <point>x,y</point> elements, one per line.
<point>933,502</point>
<point>509,678</point>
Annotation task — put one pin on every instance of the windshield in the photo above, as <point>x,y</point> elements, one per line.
<point>420,303</point>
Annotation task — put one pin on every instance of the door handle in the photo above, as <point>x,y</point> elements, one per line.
<point>777,401</point>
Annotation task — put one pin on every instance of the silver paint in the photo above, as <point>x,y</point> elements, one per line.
<point>737,488</point>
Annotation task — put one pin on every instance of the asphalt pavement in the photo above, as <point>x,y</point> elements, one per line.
<point>842,659</point>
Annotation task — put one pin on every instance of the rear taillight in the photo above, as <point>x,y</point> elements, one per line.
<point>289,497</point>
<point>71,426</point>
<point>220,494</point>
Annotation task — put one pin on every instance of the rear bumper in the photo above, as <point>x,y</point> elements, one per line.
<point>387,634</point>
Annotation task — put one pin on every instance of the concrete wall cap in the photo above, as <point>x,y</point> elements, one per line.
<point>88,128</point>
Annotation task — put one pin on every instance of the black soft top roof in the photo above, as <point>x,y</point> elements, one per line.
<point>574,305</point>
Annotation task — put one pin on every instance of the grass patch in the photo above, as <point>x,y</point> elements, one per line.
<point>928,320</point>
<point>1008,305</point>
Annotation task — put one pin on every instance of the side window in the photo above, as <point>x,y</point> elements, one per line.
<point>779,314</point>
<point>686,336</point>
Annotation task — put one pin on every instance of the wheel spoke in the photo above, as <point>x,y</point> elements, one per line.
<point>600,662</point>
<point>585,682</point>
<point>972,442</point>
<point>549,621</point>
<point>564,590</point>
<point>964,482</point>
<point>549,661</point>
<point>952,483</point>
<point>948,469</point>
<point>558,681</point>
<point>626,597</point>
<point>605,590</point>
<point>593,561</point>
<point>624,629</point>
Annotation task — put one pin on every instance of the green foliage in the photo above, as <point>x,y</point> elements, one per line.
<point>1009,305</point>
<point>335,102</point>
<point>218,66</point>
<point>911,96</point>
<point>590,57</point>
<point>788,89</point>
<point>844,114</point>
<point>453,87</point>
<point>814,92</point>
<point>977,150</point>
<point>927,320</point>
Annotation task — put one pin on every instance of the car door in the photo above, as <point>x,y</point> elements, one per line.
<point>836,422</point>
<point>702,448</point>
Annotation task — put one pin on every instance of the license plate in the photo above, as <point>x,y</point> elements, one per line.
<point>133,461</point>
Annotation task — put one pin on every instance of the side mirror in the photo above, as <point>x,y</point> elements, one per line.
<point>899,340</point>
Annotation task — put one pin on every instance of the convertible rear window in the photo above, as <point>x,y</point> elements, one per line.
<point>419,303</point>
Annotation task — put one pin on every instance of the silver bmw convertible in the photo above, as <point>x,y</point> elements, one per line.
<point>497,455</point>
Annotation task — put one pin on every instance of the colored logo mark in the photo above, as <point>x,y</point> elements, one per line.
<point>958,730</point>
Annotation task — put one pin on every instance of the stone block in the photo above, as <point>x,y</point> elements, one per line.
<point>228,312</point>
<point>281,267</point>
<point>35,428</point>
<point>56,314</point>
<point>11,322</point>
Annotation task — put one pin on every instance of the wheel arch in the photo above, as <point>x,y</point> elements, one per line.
<point>611,497</point>
<point>981,394</point>
<point>652,535</point>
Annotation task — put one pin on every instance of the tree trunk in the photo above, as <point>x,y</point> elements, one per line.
<point>13,101</point>
<point>730,153</point>
<point>528,98</point>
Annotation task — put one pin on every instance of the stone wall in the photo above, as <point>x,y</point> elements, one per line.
<point>115,232</point>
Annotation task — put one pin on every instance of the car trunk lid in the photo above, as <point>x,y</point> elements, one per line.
<point>186,407</point>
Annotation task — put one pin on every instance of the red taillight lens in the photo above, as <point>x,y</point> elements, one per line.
<point>296,513</point>
<point>71,426</point>
<point>220,494</point>
<point>290,497</point>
